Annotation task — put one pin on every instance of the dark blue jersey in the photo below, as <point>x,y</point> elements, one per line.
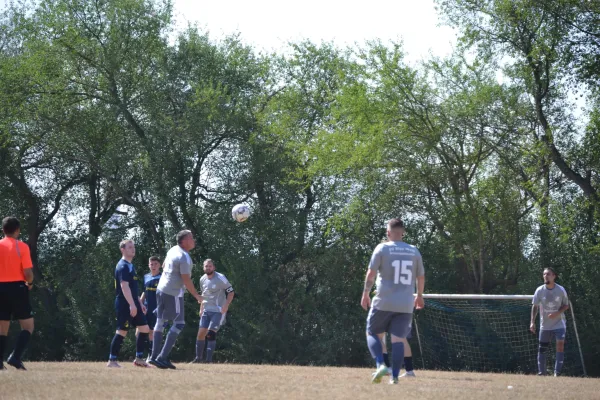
<point>150,284</point>
<point>125,272</point>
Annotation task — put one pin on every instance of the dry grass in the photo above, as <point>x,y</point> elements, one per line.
<point>72,381</point>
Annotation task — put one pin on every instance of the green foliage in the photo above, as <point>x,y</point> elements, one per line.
<point>113,125</point>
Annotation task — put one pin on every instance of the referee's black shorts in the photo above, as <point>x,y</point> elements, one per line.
<point>14,301</point>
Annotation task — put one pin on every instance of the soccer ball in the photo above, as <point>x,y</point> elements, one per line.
<point>240,212</point>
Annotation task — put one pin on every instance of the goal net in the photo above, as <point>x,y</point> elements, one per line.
<point>486,333</point>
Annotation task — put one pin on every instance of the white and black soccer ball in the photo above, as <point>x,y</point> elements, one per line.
<point>240,212</point>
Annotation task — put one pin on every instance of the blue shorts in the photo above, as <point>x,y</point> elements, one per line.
<point>124,318</point>
<point>546,335</point>
<point>396,323</point>
<point>212,320</point>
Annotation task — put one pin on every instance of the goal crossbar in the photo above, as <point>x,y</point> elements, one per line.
<point>479,296</point>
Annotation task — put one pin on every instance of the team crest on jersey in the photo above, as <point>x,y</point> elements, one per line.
<point>213,286</point>
<point>557,299</point>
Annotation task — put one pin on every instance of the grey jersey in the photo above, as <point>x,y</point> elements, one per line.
<point>398,265</point>
<point>214,291</point>
<point>177,262</point>
<point>550,300</point>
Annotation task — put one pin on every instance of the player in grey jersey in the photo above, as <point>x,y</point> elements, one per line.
<point>218,294</point>
<point>398,266</point>
<point>177,275</point>
<point>552,300</point>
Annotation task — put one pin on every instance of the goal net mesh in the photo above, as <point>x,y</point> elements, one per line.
<point>485,335</point>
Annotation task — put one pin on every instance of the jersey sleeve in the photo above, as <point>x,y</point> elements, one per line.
<point>536,298</point>
<point>185,265</point>
<point>565,298</point>
<point>420,268</point>
<point>25,255</point>
<point>375,262</point>
<point>225,285</point>
<point>124,274</point>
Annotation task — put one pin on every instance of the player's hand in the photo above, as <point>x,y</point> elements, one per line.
<point>419,302</point>
<point>365,302</point>
<point>553,315</point>
<point>199,299</point>
<point>224,309</point>
<point>532,327</point>
<point>133,310</point>
<point>144,309</point>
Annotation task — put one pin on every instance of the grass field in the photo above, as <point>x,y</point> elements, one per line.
<point>230,381</point>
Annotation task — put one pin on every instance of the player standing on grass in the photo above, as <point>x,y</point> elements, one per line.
<point>397,266</point>
<point>128,308</point>
<point>148,298</point>
<point>408,364</point>
<point>177,275</point>
<point>16,279</point>
<point>218,294</point>
<point>553,301</point>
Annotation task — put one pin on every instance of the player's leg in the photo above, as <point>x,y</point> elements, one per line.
<point>216,320</point>
<point>151,319</point>
<point>165,311</point>
<point>559,334</point>
<point>386,358</point>
<point>5,315</point>
<point>123,317</point>
<point>544,344</point>
<point>141,339</point>
<point>408,362</point>
<point>377,323</point>
<point>201,337</point>
<point>4,325</point>
<point>399,328</point>
<point>21,311</point>
<point>174,331</point>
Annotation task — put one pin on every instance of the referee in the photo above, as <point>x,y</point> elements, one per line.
<point>16,277</point>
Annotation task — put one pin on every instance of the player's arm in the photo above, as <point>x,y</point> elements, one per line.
<point>26,264</point>
<point>534,313</point>
<point>129,297</point>
<point>189,285</point>
<point>365,301</point>
<point>142,298</point>
<point>560,311</point>
<point>230,295</point>
<point>419,301</point>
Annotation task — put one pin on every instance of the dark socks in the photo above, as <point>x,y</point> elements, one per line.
<point>210,348</point>
<point>3,340</point>
<point>397,358</point>
<point>22,341</point>
<point>199,349</point>
<point>375,348</point>
<point>560,358</point>
<point>115,347</point>
<point>386,359</point>
<point>408,365</point>
<point>140,344</point>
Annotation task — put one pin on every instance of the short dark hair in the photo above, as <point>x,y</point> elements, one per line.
<point>154,258</point>
<point>10,225</point>
<point>551,270</point>
<point>182,235</point>
<point>395,223</point>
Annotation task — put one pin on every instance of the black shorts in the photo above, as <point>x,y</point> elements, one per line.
<point>151,318</point>
<point>14,301</point>
<point>124,318</point>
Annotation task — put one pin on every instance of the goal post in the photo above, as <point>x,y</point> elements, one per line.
<point>487,333</point>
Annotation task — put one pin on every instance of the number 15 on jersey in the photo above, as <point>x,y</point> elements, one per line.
<point>402,273</point>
